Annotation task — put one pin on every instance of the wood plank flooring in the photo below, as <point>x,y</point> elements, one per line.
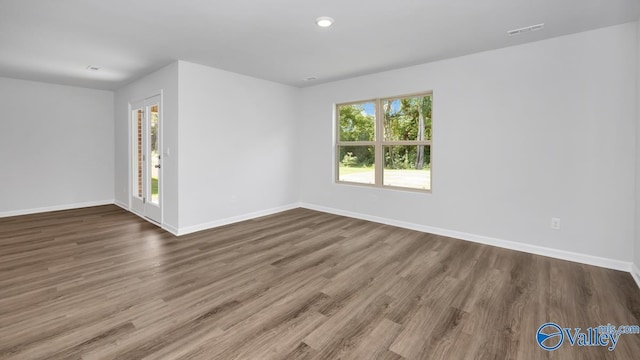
<point>100,283</point>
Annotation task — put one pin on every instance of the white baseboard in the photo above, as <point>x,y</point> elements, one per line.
<point>512,245</point>
<point>55,208</point>
<point>121,204</point>
<point>635,272</point>
<point>213,224</point>
<point>174,230</point>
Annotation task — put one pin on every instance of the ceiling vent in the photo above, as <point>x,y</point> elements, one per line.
<point>526,29</point>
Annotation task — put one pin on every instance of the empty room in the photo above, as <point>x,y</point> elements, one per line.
<point>319,179</point>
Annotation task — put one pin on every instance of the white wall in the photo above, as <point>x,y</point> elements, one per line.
<point>637,238</point>
<point>521,135</point>
<point>56,146</point>
<point>237,149</point>
<point>165,80</point>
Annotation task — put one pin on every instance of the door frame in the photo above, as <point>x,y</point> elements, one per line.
<point>133,104</point>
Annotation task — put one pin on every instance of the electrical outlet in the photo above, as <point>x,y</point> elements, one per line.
<point>555,223</point>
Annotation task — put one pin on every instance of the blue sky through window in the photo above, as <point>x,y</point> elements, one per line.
<point>370,108</point>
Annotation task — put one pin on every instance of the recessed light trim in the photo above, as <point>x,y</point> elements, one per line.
<point>526,29</point>
<point>324,21</point>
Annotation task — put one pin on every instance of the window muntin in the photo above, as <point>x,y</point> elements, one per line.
<point>385,142</point>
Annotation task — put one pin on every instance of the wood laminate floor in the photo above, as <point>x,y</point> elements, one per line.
<point>100,283</point>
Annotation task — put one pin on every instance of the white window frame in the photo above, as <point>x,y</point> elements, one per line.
<point>379,143</point>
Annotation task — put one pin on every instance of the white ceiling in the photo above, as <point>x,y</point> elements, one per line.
<point>54,41</point>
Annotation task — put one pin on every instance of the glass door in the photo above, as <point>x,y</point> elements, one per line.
<point>146,158</point>
<point>154,154</point>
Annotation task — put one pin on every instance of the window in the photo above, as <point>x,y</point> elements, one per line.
<point>385,142</point>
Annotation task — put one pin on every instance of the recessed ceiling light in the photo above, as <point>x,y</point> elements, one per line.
<point>324,21</point>
<point>526,29</point>
<point>310,78</point>
<point>93,68</point>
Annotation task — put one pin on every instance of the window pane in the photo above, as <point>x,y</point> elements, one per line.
<point>407,118</point>
<point>357,122</point>
<point>138,115</point>
<point>356,164</point>
<point>155,153</point>
<point>407,166</point>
